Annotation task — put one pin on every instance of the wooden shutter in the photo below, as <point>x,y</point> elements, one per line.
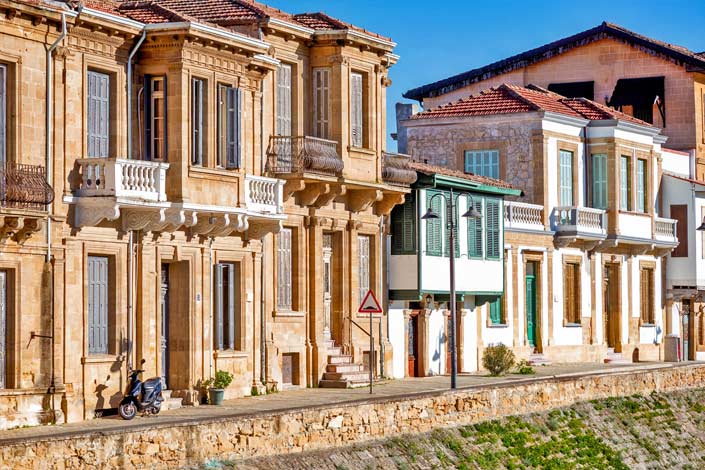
<point>496,311</point>
<point>363,253</point>
<point>702,234</point>
<point>434,227</point>
<point>404,227</point>
<point>446,237</point>
<point>219,306</point>
<point>680,213</point>
<point>641,185</point>
<point>492,228</point>
<point>98,114</point>
<point>566,178</point>
<point>647,295</point>
<point>231,301</point>
<point>356,128</point>
<point>599,181</point>
<point>3,329</point>
<point>624,183</point>
<point>197,121</point>
<point>232,116</point>
<point>155,108</point>
<point>3,114</point>
<point>97,305</point>
<point>321,102</point>
<point>284,100</point>
<point>284,268</point>
<point>475,232</point>
<point>569,292</point>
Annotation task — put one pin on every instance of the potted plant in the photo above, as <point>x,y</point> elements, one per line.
<point>216,386</point>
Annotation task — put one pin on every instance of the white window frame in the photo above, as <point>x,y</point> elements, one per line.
<point>321,102</point>
<point>284,121</point>
<point>285,269</point>
<point>482,163</point>
<point>357,94</point>
<point>364,248</point>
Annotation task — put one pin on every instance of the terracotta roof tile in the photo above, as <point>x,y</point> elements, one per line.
<point>321,21</point>
<point>431,170</point>
<point>509,99</point>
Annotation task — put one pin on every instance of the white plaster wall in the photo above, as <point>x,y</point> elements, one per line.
<point>677,163</point>
<point>599,303</point>
<point>436,343</point>
<point>403,271</point>
<point>470,340</point>
<point>397,336</point>
<point>675,319</point>
<point>636,226</point>
<point>690,270</point>
<point>624,299</point>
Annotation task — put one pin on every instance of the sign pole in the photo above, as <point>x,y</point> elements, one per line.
<point>372,352</point>
<point>369,306</point>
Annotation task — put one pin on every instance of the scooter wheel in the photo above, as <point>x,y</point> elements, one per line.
<point>127,410</point>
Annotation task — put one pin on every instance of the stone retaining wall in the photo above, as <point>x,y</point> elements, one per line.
<point>322,427</point>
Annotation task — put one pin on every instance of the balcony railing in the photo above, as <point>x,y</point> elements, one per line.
<point>303,154</point>
<point>396,169</point>
<point>665,229</point>
<point>523,216</point>
<point>24,187</point>
<point>118,177</point>
<point>264,194</point>
<point>579,220</point>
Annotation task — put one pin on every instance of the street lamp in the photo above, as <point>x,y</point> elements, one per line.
<point>472,213</point>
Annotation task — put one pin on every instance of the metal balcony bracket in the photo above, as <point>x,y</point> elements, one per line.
<point>360,200</point>
<point>389,200</point>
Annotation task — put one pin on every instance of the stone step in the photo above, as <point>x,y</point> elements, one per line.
<point>538,360</point>
<point>339,359</point>
<point>335,351</point>
<point>615,358</point>
<point>333,384</point>
<point>349,376</point>
<point>329,343</point>
<point>172,403</point>
<point>166,394</point>
<point>345,368</point>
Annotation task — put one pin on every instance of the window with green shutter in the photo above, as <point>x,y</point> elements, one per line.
<point>496,311</point>
<point>475,231</point>
<point>599,181</point>
<point>641,185</point>
<point>625,184</point>
<point>566,170</point>
<point>434,227</point>
<point>492,228</point>
<point>404,227</point>
<point>446,237</point>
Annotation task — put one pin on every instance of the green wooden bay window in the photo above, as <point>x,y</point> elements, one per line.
<point>492,228</point>
<point>434,227</point>
<point>404,227</point>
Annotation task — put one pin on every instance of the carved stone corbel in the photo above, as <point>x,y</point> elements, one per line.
<point>223,226</point>
<point>204,225</point>
<point>243,223</point>
<point>354,224</point>
<point>30,226</point>
<point>293,186</point>
<point>385,206</point>
<point>149,220</point>
<point>9,226</point>
<point>329,195</point>
<point>260,228</point>
<point>361,199</point>
<point>312,191</point>
<point>86,216</point>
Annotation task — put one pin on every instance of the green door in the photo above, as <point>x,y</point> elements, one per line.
<point>531,305</point>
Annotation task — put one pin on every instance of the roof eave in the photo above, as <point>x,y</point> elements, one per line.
<point>424,181</point>
<point>622,125</point>
<point>565,119</point>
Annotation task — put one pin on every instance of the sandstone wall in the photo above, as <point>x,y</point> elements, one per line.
<point>170,445</point>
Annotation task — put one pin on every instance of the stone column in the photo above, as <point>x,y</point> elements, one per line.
<point>319,348</point>
<point>407,318</point>
<point>423,358</point>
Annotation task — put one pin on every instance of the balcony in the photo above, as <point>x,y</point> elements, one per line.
<point>396,169</point>
<point>23,192</point>
<point>573,224</point>
<point>297,156</point>
<point>520,216</point>
<point>264,195</point>
<point>121,178</point>
<point>665,230</point>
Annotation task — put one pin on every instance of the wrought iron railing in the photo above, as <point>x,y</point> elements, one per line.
<point>24,187</point>
<point>396,169</point>
<point>303,154</point>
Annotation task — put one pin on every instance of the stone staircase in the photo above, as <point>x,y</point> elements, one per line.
<point>538,359</point>
<point>615,358</point>
<point>171,403</point>
<point>341,372</point>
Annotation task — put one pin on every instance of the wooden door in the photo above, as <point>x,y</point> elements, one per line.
<point>612,301</point>
<point>531,322</point>
<point>164,344</point>
<point>413,345</point>
<point>287,369</point>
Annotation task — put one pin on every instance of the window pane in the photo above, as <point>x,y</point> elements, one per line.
<point>566,178</point>
<point>599,181</point>
<point>641,185</point>
<point>98,114</point>
<point>97,305</point>
<point>321,103</point>
<point>3,114</point>
<point>197,104</point>
<point>484,162</point>
<point>284,100</point>
<point>363,253</point>
<point>284,272</point>
<point>624,184</point>
<point>356,129</point>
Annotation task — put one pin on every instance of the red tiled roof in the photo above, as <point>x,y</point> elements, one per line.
<point>431,170</point>
<point>149,12</point>
<point>509,99</point>
<point>321,21</point>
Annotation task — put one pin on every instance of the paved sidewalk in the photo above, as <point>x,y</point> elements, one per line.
<point>308,399</point>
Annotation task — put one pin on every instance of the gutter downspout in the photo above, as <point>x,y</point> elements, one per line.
<point>263,330</point>
<point>130,243</point>
<point>384,294</point>
<point>48,266</point>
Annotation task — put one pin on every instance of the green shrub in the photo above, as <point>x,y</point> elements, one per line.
<point>222,379</point>
<point>524,368</point>
<point>498,359</point>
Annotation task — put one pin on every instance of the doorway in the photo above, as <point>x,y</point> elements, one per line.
<point>327,283</point>
<point>611,296</point>
<point>173,344</point>
<point>687,325</point>
<point>531,302</point>
<point>413,358</point>
<point>164,342</point>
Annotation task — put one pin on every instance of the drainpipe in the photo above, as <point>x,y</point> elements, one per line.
<point>383,295</point>
<point>49,268</point>
<point>263,330</point>
<point>130,249</point>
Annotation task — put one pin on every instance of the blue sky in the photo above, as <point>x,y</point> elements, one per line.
<point>440,38</point>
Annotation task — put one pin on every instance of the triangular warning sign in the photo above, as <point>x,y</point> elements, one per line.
<point>370,304</point>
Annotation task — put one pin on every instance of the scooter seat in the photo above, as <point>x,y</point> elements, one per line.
<point>151,384</point>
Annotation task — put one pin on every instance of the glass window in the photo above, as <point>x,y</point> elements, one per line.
<point>599,181</point>
<point>197,124</point>
<point>227,320</point>
<point>284,270</point>
<point>363,267</point>
<point>229,113</point>
<point>321,103</point>
<point>3,113</point>
<point>625,184</point>
<point>566,177</point>
<point>284,100</point>
<point>641,185</point>
<point>482,162</point>
<point>155,118</point>
<point>356,104</point>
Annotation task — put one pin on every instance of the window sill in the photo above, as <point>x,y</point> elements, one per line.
<point>205,172</point>
<point>498,325</point>
<point>643,214</point>
<point>362,150</point>
<point>288,314</point>
<point>572,325</point>
<point>230,354</point>
<point>648,325</point>
<point>101,359</point>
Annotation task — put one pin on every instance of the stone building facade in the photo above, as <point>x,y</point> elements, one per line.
<point>583,249</point>
<point>180,198</point>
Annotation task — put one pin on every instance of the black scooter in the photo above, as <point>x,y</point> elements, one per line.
<point>145,397</point>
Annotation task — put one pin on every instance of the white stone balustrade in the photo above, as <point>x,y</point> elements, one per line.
<point>579,220</point>
<point>265,195</point>
<point>665,229</point>
<point>523,216</point>
<point>122,178</point>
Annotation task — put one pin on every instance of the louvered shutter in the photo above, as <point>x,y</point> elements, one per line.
<point>496,311</point>
<point>569,293</point>
<point>233,114</point>
<point>321,105</point>
<point>566,178</point>
<point>363,246</point>
<point>492,228</point>
<point>404,227</point>
<point>446,238</point>
<point>3,328</point>
<point>356,109</point>
<point>641,185</point>
<point>3,114</point>
<point>434,227</point>
<point>231,320</point>
<point>599,181</point>
<point>284,100</point>
<point>197,121</point>
<point>219,298</point>
<point>97,305</point>
<point>98,114</point>
<point>475,232</point>
<point>284,275</point>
